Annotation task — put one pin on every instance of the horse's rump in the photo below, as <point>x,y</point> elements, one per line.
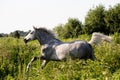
<point>81,50</point>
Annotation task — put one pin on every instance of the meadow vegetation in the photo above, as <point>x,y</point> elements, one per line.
<point>15,55</point>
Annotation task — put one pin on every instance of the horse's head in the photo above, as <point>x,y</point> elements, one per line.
<point>31,35</point>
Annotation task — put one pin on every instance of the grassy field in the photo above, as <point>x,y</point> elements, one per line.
<point>15,55</point>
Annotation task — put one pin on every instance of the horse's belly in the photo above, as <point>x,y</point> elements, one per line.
<point>54,57</point>
<point>58,57</point>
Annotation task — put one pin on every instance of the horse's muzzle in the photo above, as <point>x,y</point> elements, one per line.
<point>25,40</point>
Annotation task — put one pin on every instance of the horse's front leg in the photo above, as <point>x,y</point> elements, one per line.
<point>32,60</point>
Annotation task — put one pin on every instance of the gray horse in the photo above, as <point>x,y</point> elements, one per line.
<point>56,50</point>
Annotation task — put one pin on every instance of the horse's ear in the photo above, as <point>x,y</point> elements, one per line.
<point>34,27</point>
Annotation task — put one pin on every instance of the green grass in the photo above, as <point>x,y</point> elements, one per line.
<point>15,55</point>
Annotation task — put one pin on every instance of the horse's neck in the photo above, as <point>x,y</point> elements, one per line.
<point>43,38</point>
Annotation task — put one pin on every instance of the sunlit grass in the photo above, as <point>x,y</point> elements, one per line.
<point>15,55</point>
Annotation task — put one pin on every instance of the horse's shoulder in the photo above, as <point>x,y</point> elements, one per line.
<point>45,49</point>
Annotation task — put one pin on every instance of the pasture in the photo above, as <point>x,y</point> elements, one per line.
<point>15,55</point>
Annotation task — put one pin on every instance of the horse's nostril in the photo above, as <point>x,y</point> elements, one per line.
<point>25,40</point>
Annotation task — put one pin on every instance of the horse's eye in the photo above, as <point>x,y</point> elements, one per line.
<point>31,33</point>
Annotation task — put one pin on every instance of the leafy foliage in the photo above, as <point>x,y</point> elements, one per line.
<point>72,29</point>
<point>94,21</point>
<point>59,30</point>
<point>14,56</point>
<point>112,19</point>
<point>97,19</point>
<point>16,34</point>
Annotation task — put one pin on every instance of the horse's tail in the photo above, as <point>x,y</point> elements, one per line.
<point>97,38</point>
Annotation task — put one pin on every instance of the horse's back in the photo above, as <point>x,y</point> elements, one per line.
<point>75,49</point>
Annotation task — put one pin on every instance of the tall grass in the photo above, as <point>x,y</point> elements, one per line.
<point>15,55</point>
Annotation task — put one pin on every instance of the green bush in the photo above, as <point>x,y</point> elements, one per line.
<point>116,38</point>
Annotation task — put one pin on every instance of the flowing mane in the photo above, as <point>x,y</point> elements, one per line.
<point>49,32</point>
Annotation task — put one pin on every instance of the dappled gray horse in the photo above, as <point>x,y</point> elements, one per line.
<point>56,50</point>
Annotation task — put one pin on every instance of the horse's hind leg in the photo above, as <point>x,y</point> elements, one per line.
<point>93,57</point>
<point>44,63</point>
